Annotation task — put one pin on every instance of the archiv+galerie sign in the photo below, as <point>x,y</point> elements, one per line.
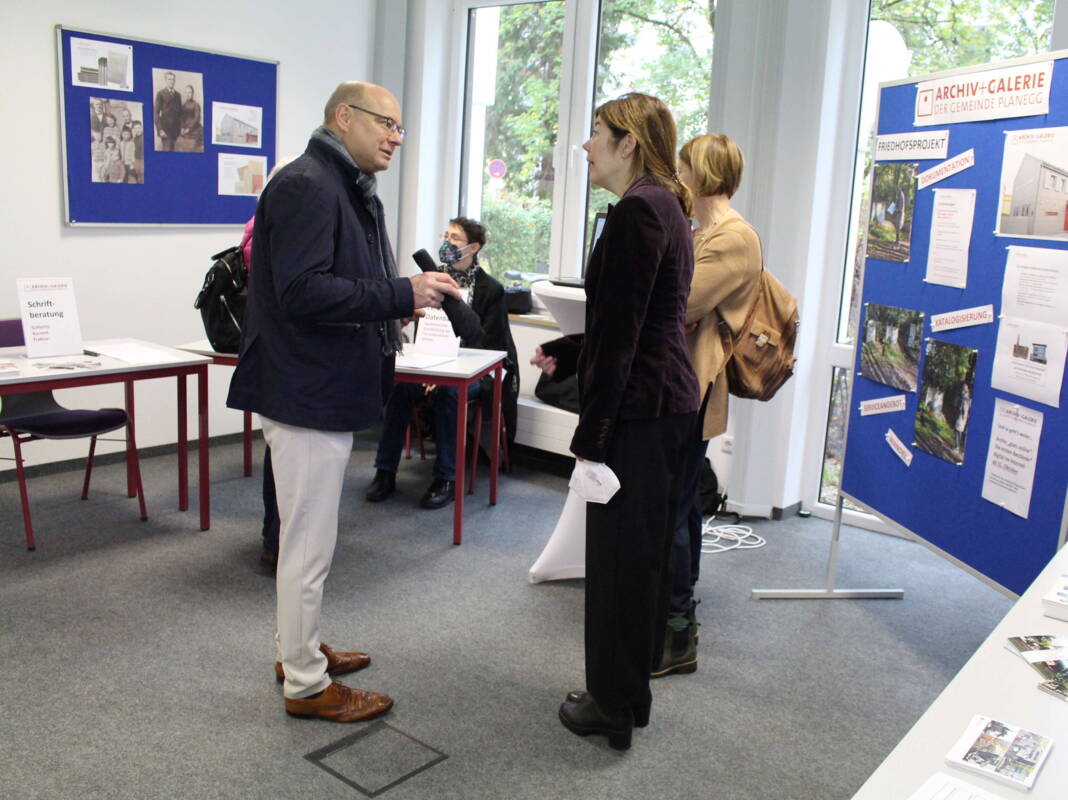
<point>1018,91</point>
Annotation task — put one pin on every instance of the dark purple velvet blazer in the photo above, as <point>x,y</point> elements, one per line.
<point>634,364</point>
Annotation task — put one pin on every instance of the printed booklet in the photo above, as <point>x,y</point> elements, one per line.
<point>1039,648</point>
<point>1055,601</point>
<point>1055,674</point>
<point>1001,751</point>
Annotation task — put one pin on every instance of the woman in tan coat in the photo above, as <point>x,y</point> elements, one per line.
<point>727,265</point>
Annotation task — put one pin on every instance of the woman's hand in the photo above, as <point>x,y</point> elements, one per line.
<point>546,364</point>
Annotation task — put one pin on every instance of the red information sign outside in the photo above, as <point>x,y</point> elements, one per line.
<point>496,168</point>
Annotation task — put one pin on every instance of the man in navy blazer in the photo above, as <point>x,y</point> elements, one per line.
<point>321,329</point>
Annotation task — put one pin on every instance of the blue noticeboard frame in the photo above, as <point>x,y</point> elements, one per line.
<point>935,500</point>
<point>179,188</point>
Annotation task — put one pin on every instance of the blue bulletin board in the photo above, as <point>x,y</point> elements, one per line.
<point>207,125</point>
<point>938,495</point>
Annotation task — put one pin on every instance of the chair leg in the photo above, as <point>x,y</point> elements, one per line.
<point>132,442</point>
<point>23,496</point>
<point>89,468</point>
<point>474,450</point>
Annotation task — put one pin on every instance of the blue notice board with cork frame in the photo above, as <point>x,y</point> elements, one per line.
<point>939,442</point>
<point>160,134</point>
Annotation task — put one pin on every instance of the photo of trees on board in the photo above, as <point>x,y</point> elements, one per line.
<point>945,400</point>
<point>891,350</point>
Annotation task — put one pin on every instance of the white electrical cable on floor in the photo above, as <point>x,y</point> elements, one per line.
<point>721,538</point>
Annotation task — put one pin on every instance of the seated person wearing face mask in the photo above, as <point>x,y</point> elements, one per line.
<point>481,322</point>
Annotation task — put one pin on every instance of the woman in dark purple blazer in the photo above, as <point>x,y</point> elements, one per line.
<point>638,401</point>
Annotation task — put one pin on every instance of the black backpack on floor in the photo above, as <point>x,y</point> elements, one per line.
<point>221,301</point>
<point>712,501</point>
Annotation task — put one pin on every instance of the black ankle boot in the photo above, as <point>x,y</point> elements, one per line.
<point>680,651</point>
<point>580,714</point>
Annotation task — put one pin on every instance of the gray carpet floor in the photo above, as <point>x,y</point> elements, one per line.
<point>136,657</point>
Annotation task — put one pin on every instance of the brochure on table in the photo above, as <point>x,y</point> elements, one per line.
<point>964,299</point>
<point>435,343</point>
<point>49,317</point>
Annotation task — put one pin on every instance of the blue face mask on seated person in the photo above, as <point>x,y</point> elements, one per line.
<point>450,253</point>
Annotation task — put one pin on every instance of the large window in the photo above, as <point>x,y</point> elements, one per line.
<point>535,72</point>
<point>908,38</point>
<point>512,112</point>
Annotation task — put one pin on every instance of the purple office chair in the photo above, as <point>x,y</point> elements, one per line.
<point>36,415</point>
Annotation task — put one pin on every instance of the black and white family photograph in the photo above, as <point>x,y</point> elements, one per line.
<point>891,350</point>
<point>178,110</point>
<point>945,400</point>
<point>117,140</point>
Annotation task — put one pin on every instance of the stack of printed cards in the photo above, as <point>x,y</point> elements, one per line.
<point>1049,656</point>
<point>1001,751</point>
<point>1055,602</point>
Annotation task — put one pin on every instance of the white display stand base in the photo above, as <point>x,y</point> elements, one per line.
<point>564,555</point>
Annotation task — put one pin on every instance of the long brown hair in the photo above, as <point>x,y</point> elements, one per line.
<point>649,121</point>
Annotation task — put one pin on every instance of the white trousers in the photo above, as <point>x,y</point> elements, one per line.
<point>309,468</point>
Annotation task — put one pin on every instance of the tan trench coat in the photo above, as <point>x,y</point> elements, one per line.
<point>727,264</point>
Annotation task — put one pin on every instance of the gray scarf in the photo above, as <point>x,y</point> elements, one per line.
<point>368,186</point>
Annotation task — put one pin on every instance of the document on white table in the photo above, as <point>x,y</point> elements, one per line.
<point>941,786</point>
<point>417,360</point>
<point>132,352</point>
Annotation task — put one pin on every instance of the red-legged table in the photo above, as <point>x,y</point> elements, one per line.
<point>469,366</point>
<point>203,347</point>
<point>147,361</point>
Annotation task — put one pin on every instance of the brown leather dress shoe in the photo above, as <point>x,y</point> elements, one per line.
<point>340,703</point>
<point>336,663</point>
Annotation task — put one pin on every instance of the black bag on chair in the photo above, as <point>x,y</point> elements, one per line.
<point>518,300</point>
<point>221,301</point>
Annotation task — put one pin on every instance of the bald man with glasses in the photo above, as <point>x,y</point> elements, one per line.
<point>323,323</point>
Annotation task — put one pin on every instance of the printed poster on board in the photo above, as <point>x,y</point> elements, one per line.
<point>890,353</point>
<point>945,405</point>
<point>1034,185</point>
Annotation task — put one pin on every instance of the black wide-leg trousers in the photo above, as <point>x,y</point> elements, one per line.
<point>628,542</point>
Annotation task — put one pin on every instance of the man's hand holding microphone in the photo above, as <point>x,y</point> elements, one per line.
<point>431,288</point>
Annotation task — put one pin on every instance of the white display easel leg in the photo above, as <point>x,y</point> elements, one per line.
<point>829,593</point>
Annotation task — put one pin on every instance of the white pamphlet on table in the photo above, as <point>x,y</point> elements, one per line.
<point>941,786</point>
<point>435,343</point>
<point>132,352</point>
<point>49,317</point>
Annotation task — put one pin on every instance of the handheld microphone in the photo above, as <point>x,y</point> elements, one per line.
<point>424,261</point>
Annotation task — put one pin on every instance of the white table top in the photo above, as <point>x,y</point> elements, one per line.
<point>202,347</point>
<point>150,356</point>
<point>995,683</point>
<point>468,364</point>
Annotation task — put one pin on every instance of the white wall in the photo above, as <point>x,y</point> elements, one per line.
<point>790,103</point>
<point>142,282</point>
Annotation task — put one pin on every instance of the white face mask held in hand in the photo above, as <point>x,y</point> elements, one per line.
<point>593,481</point>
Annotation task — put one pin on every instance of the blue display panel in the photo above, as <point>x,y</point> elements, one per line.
<point>934,498</point>
<point>180,187</point>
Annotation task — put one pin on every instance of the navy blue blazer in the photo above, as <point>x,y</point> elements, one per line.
<point>634,363</point>
<point>311,348</point>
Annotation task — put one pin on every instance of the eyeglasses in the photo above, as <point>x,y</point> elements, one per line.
<point>388,123</point>
<point>455,238</point>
